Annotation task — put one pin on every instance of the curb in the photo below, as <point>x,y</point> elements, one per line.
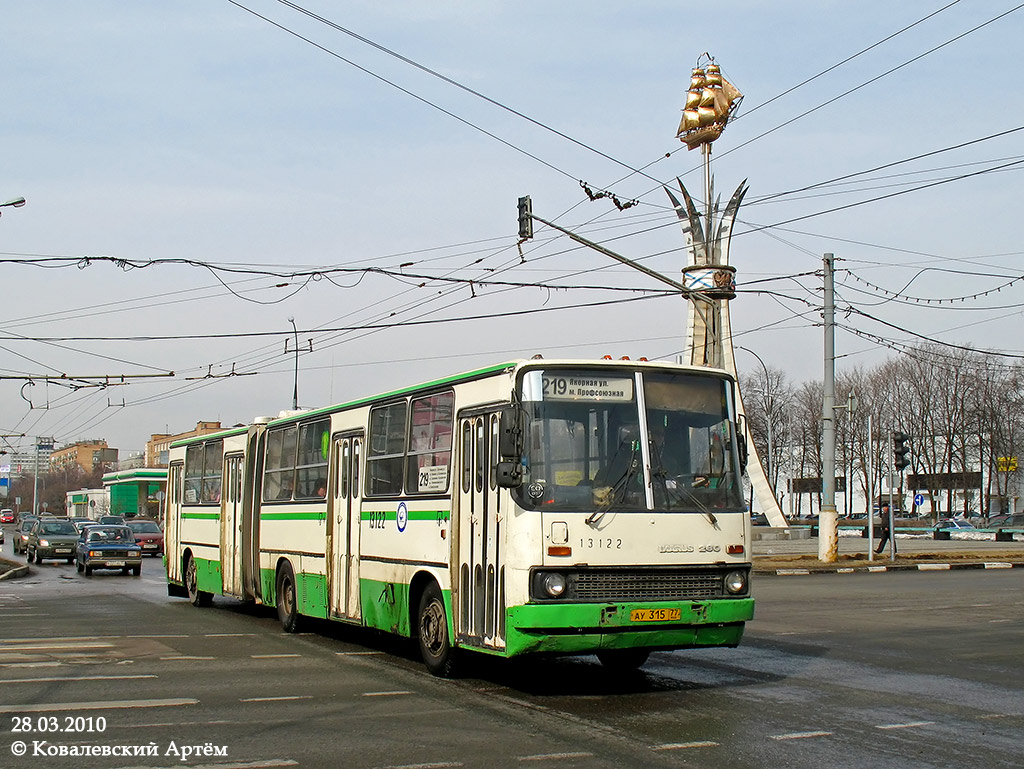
<point>798,572</point>
<point>18,571</point>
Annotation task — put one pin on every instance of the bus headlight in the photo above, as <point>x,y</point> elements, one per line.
<point>735,582</point>
<point>553,584</point>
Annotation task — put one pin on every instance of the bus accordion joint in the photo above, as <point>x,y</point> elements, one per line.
<point>559,550</point>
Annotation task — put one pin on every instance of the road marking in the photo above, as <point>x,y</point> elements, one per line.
<point>439,765</point>
<point>685,745</point>
<point>933,567</point>
<point>184,657</point>
<point>910,725</point>
<point>846,571</point>
<point>48,679</point>
<point>158,635</point>
<point>792,572</point>
<point>228,635</point>
<point>30,664</point>
<point>877,569</point>
<point>272,656</point>
<point>997,565</point>
<point>383,694</point>
<point>994,621</point>
<point>800,735</point>
<point>554,756</point>
<point>278,699</point>
<point>65,639</point>
<point>24,647</point>
<point>168,703</point>
<point>356,654</point>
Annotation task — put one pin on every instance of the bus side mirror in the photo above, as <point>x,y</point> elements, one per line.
<point>509,475</point>
<point>510,433</point>
<point>741,441</point>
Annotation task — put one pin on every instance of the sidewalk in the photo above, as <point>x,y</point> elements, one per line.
<point>785,557</point>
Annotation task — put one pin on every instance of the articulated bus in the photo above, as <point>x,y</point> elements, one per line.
<point>541,506</point>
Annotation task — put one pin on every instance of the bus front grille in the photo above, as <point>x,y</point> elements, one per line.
<point>599,585</point>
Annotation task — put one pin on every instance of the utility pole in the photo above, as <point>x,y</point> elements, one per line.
<point>871,492</point>
<point>828,535</point>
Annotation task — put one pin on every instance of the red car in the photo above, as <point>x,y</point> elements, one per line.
<point>148,535</point>
<point>6,516</point>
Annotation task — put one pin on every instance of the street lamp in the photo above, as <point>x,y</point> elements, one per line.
<point>295,392</point>
<point>770,409</point>
<point>14,203</point>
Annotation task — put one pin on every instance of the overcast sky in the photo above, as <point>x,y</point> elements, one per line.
<point>217,153</point>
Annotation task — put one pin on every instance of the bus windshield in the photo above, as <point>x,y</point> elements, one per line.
<point>651,440</point>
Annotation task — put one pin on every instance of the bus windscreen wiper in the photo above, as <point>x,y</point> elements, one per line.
<point>677,493</point>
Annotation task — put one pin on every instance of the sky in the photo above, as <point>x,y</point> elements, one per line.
<point>201,175</point>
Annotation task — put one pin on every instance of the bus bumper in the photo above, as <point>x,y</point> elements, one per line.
<point>585,628</point>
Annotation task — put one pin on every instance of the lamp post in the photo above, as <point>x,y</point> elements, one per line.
<point>295,392</point>
<point>14,203</point>
<point>769,415</point>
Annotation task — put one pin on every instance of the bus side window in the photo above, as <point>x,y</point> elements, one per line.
<point>311,467</point>
<point>385,462</point>
<point>279,471</point>
<point>467,455</point>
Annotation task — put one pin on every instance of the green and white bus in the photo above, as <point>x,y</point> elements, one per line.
<point>541,506</point>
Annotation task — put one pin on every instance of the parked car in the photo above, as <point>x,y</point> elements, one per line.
<point>25,522</point>
<point>148,535</point>
<point>108,547</point>
<point>6,515</point>
<point>51,538</point>
<point>1015,521</point>
<point>954,524</point>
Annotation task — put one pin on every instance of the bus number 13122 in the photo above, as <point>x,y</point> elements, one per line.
<point>602,543</point>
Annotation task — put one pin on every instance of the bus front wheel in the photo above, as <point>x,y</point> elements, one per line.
<point>287,601</point>
<point>435,645</point>
<point>623,660</point>
<point>196,596</point>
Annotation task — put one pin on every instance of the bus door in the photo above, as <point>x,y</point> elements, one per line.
<point>231,525</point>
<point>172,522</point>
<point>481,536</point>
<point>343,536</point>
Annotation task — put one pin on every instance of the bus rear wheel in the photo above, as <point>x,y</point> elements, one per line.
<point>287,600</point>
<point>196,596</point>
<point>432,625</point>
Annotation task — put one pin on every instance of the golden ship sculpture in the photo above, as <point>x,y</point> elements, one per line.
<point>710,103</point>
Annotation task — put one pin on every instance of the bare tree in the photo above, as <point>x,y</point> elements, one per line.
<point>767,399</point>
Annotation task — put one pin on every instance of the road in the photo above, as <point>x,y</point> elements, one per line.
<point>905,669</point>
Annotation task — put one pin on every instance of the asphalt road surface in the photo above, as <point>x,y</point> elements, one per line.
<point>902,669</point>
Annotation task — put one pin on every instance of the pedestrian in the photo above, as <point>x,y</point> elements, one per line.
<point>886,535</point>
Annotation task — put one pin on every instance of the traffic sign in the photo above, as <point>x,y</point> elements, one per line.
<point>919,499</point>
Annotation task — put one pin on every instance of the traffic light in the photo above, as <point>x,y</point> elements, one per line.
<point>525,218</point>
<point>900,451</point>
